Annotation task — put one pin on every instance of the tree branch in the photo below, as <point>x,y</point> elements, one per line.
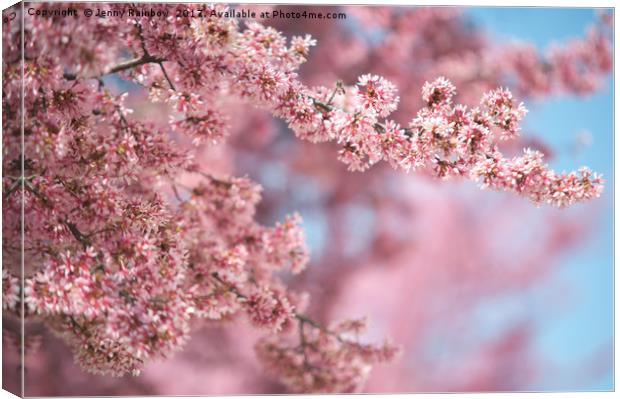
<point>161,65</point>
<point>145,59</point>
<point>302,318</point>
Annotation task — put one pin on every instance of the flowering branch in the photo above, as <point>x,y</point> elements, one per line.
<point>130,64</point>
<point>449,139</point>
<point>323,360</point>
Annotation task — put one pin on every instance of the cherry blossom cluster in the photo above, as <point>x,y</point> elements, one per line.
<point>377,94</point>
<point>126,255</point>
<point>11,291</point>
<point>433,40</point>
<point>575,67</point>
<point>129,242</point>
<point>448,138</point>
<point>324,360</point>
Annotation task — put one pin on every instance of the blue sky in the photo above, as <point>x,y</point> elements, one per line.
<point>573,336</point>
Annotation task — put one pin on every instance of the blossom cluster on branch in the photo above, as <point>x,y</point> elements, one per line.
<point>255,64</point>
<point>431,40</point>
<point>123,256</point>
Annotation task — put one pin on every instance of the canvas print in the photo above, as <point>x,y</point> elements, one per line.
<point>226,199</point>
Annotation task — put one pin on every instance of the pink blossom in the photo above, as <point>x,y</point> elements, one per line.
<point>377,93</point>
<point>11,291</point>
<point>439,92</point>
<point>269,309</point>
